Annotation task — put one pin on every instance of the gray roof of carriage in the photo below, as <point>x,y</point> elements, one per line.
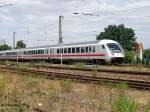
<point>65,44</point>
<point>47,46</point>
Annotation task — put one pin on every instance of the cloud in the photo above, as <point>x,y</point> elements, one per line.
<point>35,20</point>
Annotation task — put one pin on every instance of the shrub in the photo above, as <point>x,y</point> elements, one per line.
<point>129,57</point>
<point>138,60</point>
<point>123,104</point>
<point>66,85</point>
<point>147,62</point>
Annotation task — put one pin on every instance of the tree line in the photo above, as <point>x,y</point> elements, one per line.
<point>20,44</point>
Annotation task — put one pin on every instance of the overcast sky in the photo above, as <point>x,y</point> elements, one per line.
<point>36,21</point>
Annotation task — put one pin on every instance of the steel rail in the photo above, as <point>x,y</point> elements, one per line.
<point>78,77</point>
<point>99,70</point>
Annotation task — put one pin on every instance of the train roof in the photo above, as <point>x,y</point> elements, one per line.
<point>66,44</point>
<point>104,41</point>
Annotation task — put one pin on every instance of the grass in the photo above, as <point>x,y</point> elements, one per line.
<point>94,72</point>
<point>55,97</point>
<point>121,88</point>
<point>2,86</point>
<point>31,83</point>
<point>79,65</point>
<point>66,86</point>
<point>147,107</point>
<point>52,91</point>
<point>123,104</point>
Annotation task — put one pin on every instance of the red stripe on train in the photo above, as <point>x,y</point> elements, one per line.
<point>68,55</point>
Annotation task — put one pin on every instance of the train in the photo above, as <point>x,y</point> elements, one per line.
<point>108,51</point>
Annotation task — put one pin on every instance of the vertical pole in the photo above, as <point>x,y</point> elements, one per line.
<point>14,36</point>
<point>60,41</point>
<point>60,30</point>
<point>4,42</point>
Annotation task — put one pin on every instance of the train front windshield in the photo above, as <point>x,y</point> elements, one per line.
<point>115,48</point>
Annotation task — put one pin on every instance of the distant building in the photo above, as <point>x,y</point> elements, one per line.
<point>138,50</point>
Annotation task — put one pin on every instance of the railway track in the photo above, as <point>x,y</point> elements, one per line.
<point>98,70</point>
<point>78,77</point>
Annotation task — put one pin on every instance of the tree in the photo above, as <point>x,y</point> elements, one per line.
<point>20,44</point>
<point>125,36</point>
<point>4,47</point>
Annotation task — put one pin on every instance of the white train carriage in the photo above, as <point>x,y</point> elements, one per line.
<point>103,50</point>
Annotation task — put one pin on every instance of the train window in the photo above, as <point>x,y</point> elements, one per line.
<point>90,49</point>
<point>38,51</point>
<point>65,50</point>
<point>73,50</point>
<point>78,50</point>
<point>46,51</point>
<point>62,50</point>
<point>69,50</point>
<point>87,50</point>
<point>93,49</point>
<point>82,49</point>
<point>103,46</point>
<point>50,51</point>
<point>58,51</point>
<point>33,51</point>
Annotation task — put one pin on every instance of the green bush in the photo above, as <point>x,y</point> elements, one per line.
<point>138,60</point>
<point>147,62</point>
<point>123,104</point>
<point>129,57</point>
